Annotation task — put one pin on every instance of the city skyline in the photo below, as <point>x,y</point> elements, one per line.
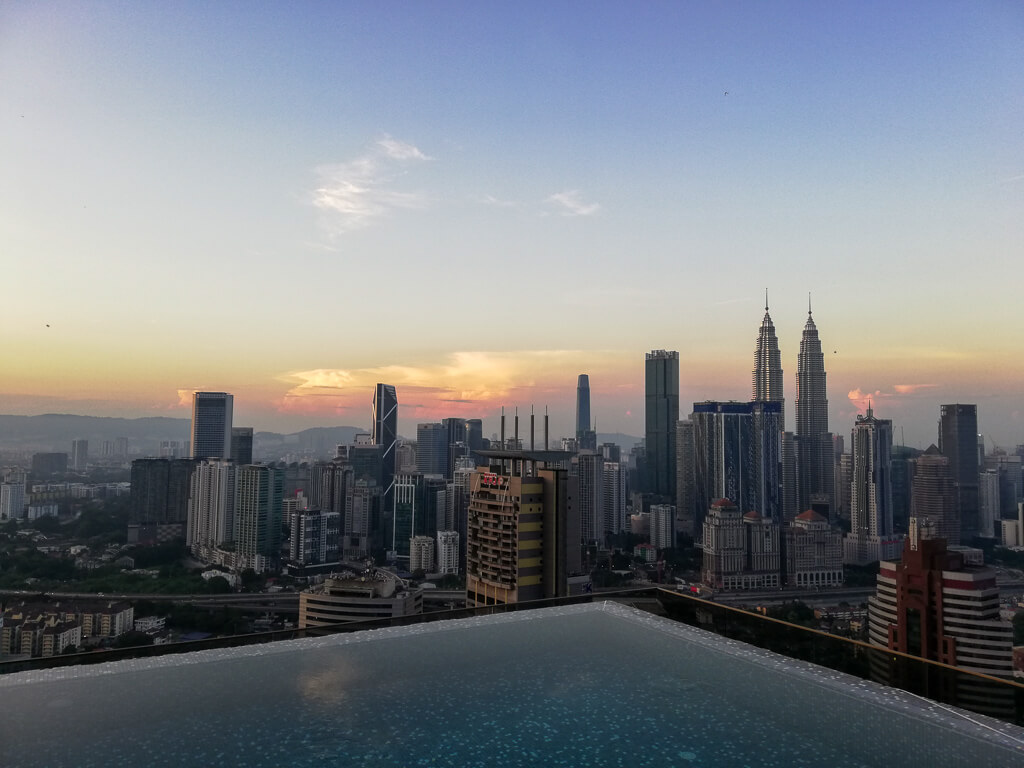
<point>181,177</point>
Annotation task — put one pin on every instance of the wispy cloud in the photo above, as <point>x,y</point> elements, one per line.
<point>569,203</point>
<point>467,383</point>
<point>909,389</point>
<point>498,203</point>
<point>356,193</point>
<point>862,399</point>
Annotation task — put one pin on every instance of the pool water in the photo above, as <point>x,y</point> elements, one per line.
<point>588,685</point>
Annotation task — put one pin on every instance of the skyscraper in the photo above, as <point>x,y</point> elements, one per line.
<point>588,467</point>
<point>384,432</point>
<point>736,456</point>
<point>431,449</point>
<point>686,488</point>
<point>933,495</point>
<point>586,438</point>
<point>661,412</point>
<point>958,441</point>
<point>211,425</point>
<point>79,455</point>
<point>814,454</point>
<point>767,374</point>
<point>241,445</point>
<point>871,528</point>
<point>211,507</point>
<point>259,511</point>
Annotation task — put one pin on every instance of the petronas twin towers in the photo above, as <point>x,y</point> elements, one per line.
<point>808,479</point>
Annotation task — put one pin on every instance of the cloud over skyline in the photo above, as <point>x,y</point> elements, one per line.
<point>356,193</point>
<point>569,203</point>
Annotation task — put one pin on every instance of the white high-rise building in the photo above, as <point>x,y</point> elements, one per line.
<point>79,455</point>
<point>663,519</point>
<point>12,501</point>
<point>447,552</point>
<point>988,491</point>
<point>211,506</point>
<point>421,554</point>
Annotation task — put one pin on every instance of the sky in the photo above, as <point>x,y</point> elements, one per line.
<point>476,202</point>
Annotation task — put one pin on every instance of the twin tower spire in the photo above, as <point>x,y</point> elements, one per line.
<point>813,441</point>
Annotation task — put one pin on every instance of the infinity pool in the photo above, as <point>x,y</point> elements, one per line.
<point>586,685</point>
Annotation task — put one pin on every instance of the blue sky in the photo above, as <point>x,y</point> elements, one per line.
<point>481,200</point>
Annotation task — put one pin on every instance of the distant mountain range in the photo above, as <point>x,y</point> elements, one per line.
<point>55,431</point>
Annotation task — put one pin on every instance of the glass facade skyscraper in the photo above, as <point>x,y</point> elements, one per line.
<point>661,412</point>
<point>211,425</point>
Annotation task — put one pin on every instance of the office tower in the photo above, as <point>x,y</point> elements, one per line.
<point>844,480</point>
<point>421,554</point>
<point>790,508</point>
<point>937,605</point>
<point>767,374</point>
<point>362,510</point>
<point>48,465</point>
<point>902,478</point>
<point>518,529</point>
<point>661,412</point>
<point>211,507</point>
<point>740,551</point>
<point>871,533</point>
<point>958,440</point>
<point>431,449</point>
<point>766,459</point>
<point>405,459</point>
<point>613,499</point>
<point>258,516</point>
<point>586,438</point>
<point>448,552</point>
<point>663,526</point>
<point>1011,481</point>
<point>241,445</point>
<point>385,433</point>
<point>933,495</point>
<point>79,455</point>
<point>736,449</point>
<point>327,485</point>
<point>435,506</point>
<point>588,467</point>
<point>814,453</point>
<point>989,507</point>
<point>315,536</point>
<point>211,425</point>
<point>160,491</point>
<point>814,552</point>
<point>582,405</point>
<point>475,434</point>
<point>686,481</point>
<point>610,451</point>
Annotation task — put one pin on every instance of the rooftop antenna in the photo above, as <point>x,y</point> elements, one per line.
<point>808,302</point>
<point>765,299</point>
<point>532,447</point>
<point>545,427</point>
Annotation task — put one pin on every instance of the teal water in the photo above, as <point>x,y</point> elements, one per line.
<point>559,687</point>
